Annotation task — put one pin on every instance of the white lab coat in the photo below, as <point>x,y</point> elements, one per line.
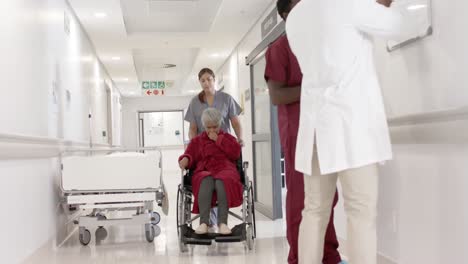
<point>341,101</point>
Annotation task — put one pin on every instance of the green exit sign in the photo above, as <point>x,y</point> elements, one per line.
<point>153,85</point>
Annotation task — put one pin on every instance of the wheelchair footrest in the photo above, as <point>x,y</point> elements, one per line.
<point>238,235</point>
<point>197,241</point>
<point>190,237</point>
<point>228,239</point>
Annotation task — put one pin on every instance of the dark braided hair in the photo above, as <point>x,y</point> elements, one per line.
<point>283,6</point>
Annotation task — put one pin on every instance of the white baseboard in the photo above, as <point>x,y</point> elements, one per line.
<point>65,231</point>
<point>381,258</point>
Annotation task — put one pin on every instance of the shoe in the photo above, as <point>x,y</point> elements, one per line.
<point>343,262</point>
<point>212,229</point>
<point>202,229</point>
<point>224,229</point>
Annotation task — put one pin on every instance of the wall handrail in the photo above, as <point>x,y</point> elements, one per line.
<point>438,116</point>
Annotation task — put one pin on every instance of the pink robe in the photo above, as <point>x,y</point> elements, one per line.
<point>216,159</point>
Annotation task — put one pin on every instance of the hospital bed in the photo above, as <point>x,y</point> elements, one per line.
<point>114,187</point>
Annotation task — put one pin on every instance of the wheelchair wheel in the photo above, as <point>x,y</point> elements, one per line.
<point>252,210</point>
<point>181,219</point>
<point>179,210</point>
<point>250,217</point>
<point>182,246</point>
<point>249,237</point>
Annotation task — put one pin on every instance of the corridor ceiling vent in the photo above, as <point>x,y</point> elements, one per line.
<point>167,65</point>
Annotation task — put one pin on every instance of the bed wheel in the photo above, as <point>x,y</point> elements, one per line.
<point>84,236</point>
<point>149,232</point>
<point>155,218</point>
<point>101,233</point>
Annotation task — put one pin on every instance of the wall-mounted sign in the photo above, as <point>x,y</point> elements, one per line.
<point>153,85</point>
<point>247,95</point>
<point>150,92</point>
<point>151,88</point>
<point>269,22</point>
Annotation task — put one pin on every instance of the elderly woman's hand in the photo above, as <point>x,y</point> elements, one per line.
<point>183,163</point>
<point>213,136</point>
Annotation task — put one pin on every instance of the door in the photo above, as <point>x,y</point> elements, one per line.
<point>266,145</point>
<point>162,129</point>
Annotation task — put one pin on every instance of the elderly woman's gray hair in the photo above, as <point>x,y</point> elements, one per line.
<point>211,115</point>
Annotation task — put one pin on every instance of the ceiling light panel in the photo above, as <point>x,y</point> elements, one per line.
<point>169,16</point>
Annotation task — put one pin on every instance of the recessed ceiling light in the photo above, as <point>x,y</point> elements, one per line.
<point>116,58</point>
<point>215,55</point>
<point>125,79</point>
<point>100,14</point>
<point>416,7</point>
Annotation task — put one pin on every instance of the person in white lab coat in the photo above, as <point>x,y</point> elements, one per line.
<point>343,131</point>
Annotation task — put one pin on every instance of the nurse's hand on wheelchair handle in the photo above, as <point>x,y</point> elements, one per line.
<point>183,163</point>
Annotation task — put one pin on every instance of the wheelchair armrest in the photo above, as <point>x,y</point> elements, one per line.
<point>187,177</point>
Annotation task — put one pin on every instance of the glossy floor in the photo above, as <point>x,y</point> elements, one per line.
<point>127,244</point>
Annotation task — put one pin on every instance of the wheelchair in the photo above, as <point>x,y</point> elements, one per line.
<point>244,232</point>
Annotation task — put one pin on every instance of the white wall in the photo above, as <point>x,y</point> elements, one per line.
<point>29,207</point>
<point>422,207</point>
<point>49,82</point>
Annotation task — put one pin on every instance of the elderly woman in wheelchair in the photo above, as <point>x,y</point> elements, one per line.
<point>212,156</point>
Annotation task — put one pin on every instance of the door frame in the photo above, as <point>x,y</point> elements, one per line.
<point>276,212</point>
<point>141,134</point>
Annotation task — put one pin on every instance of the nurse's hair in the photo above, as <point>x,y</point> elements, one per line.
<point>206,70</point>
<point>283,6</point>
<point>211,115</point>
<point>201,95</point>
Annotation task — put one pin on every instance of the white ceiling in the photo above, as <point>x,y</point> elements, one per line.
<point>147,34</point>
<point>169,16</point>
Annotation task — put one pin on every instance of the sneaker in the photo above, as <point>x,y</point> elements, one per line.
<point>343,262</point>
<point>224,229</point>
<point>212,229</point>
<point>202,229</point>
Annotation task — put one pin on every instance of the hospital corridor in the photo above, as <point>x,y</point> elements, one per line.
<point>234,131</point>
